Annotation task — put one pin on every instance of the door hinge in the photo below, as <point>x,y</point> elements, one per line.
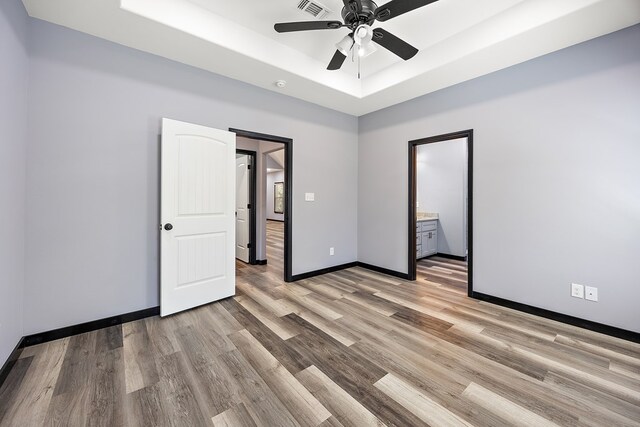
<point>249,206</point>
<point>248,245</point>
<point>248,166</point>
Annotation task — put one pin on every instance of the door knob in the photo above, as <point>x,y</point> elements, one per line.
<point>168,227</point>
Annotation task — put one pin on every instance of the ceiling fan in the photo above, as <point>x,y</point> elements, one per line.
<point>358,16</point>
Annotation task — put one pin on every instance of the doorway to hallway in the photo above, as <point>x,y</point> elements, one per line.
<point>264,147</point>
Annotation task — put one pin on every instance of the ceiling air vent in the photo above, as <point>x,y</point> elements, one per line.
<point>313,8</point>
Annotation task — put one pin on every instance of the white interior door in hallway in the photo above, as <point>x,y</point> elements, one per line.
<point>197,241</point>
<point>242,207</point>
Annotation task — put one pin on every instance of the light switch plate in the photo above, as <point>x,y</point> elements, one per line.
<point>309,197</point>
<point>591,293</point>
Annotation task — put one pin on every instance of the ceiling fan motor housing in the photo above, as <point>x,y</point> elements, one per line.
<point>354,18</point>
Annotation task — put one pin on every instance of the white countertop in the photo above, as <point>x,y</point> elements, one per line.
<point>426,216</point>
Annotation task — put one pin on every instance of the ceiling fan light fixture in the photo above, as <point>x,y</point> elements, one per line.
<point>366,50</point>
<point>345,45</point>
<point>363,35</point>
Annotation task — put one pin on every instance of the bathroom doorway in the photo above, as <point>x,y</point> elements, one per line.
<point>440,232</point>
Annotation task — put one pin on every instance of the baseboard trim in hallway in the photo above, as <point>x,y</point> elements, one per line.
<point>562,318</point>
<point>94,325</point>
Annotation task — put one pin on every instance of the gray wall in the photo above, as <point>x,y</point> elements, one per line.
<point>13,125</point>
<point>441,174</point>
<point>272,178</point>
<point>556,176</point>
<point>92,182</point>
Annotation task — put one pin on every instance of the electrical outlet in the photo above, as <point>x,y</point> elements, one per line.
<point>577,291</point>
<point>309,197</point>
<point>591,293</point>
<point>332,251</point>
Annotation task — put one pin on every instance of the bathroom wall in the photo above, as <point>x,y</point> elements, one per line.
<point>441,173</point>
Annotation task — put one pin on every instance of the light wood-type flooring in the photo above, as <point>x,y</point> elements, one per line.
<point>351,348</point>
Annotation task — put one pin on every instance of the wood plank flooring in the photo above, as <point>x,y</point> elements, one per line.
<point>352,348</point>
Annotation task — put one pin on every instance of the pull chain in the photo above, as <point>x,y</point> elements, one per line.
<point>355,54</point>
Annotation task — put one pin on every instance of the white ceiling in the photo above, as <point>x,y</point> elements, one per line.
<point>458,40</point>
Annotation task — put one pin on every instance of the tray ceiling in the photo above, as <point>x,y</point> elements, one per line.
<point>458,40</point>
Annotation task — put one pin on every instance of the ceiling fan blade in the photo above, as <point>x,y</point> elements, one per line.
<point>398,7</point>
<point>353,5</point>
<point>336,61</point>
<point>287,27</point>
<point>393,44</point>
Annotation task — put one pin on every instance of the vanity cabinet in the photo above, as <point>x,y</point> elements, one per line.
<point>426,238</point>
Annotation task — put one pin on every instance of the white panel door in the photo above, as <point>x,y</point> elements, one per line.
<point>197,244</point>
<point>242,211</point>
